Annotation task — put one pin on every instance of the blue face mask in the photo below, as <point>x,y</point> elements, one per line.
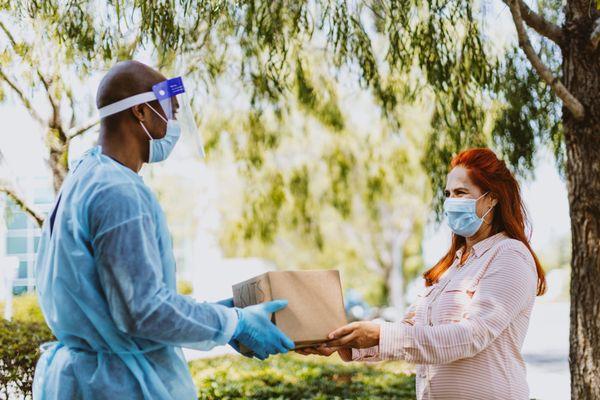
<point>462,215</point>
<point>161,148</point>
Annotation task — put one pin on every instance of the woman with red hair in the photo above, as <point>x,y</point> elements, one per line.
<point>466,329</point>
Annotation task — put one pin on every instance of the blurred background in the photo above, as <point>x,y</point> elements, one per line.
<point>315,174</point>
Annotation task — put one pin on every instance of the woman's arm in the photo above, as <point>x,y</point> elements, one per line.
<point>372,353</point>
<point>506,289</point>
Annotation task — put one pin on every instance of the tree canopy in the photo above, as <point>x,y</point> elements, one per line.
<point>293,55</point>
<point>482,93</point>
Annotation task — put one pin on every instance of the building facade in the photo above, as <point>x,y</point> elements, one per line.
<point>20,234</point>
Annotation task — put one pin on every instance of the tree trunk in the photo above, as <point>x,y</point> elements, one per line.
<point>395,279</point>
<point>58,159</point>
<point>581,73</point>
<point>583,174</point>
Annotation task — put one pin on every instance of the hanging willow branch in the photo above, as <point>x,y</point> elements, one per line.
<point>80,130</point>
<point>39,219</point>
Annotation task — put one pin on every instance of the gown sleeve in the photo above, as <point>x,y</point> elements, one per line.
<point>130,271</point>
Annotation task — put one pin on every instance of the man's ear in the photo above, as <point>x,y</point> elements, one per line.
<point>139,112</point>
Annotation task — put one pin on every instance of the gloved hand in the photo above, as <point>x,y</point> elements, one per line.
<point>234,343</point>
<point>256,331</point>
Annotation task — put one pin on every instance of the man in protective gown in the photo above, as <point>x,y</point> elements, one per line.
<point>105,267</point>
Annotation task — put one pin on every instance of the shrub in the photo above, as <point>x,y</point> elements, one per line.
<point>19,351</point>
<point>185,288</point>
<point>26,309</point>
<point>296,377</point>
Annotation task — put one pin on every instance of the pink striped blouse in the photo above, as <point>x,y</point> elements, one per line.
<point>465,333</point>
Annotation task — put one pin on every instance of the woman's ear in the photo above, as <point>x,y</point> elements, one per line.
<point>494,200</point>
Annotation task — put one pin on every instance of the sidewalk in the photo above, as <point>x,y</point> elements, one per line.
<point>546,352</point>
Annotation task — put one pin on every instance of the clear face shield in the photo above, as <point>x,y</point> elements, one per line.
<point>175,105</point>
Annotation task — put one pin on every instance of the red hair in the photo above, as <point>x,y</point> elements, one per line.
<point>491,175</point>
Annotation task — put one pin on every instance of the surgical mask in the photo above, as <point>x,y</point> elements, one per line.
<point>462,216</point>
<point>160,149</point>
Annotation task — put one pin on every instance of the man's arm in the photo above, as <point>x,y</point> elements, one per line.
<point>130,272</point>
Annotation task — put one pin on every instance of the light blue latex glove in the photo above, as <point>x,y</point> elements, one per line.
<point>233,343</point>
<point>256,331</point>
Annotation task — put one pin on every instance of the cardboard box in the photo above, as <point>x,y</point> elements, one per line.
<point>315,302</point>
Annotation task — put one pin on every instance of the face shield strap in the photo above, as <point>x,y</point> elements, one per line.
<point>126,103</point>
<point>157,113</point>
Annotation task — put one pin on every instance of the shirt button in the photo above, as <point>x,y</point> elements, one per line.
<point>431,324</point>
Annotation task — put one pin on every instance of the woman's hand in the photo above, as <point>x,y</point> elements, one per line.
<point>344,353</point>
<point>358,335</point>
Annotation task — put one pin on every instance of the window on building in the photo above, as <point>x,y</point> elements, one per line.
<point>22,270</point>
<point>44,195</point>
<point>16,220</point>
<point>16,245</point>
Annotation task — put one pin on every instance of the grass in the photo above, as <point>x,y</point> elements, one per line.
<point>296,377</point>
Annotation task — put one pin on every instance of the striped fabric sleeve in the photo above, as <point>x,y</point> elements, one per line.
<point>368,354</point>
<point>506,289</point>
<point>372,353</point>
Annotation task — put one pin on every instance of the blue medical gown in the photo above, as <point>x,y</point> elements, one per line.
<point>106,284</point>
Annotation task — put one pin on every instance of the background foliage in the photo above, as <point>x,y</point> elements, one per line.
<point>481,89</point>
<point>295,377</point>
<point>19,352</point>
<point>285,63</point>
<point>26,308</point>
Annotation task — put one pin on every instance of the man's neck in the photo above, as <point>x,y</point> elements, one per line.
<point>121,148</point>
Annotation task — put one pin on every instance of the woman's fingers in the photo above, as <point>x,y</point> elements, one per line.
<point>319,351</point>
<point>345,341</point>
<point>324,351</point>
<point>343,331</point>
<point>310,350</point>
<point>306,351</point>
<point>302,352</point>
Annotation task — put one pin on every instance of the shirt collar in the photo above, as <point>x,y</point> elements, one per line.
<point>481,247</point>
<point>459,253</point>
<point>97,152</point>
